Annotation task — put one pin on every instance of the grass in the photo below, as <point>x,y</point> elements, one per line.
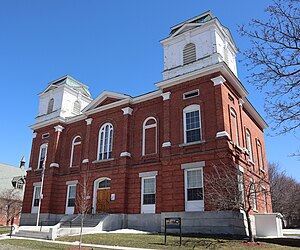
<point>33,244</point>
<point>4,230</point>
<point>156,241</point>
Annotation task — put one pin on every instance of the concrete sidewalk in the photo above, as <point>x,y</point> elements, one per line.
<point>4,237</point>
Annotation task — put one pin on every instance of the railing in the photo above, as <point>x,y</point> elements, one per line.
<point>70,221</point>
<point>47,222</point>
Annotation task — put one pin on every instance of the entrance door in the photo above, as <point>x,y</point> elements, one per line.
<point>103,200</point>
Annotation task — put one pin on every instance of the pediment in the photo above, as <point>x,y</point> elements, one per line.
<point>105,98</point>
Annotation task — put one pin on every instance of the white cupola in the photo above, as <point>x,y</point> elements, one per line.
<point>64,97</point>
<point>198,43</point>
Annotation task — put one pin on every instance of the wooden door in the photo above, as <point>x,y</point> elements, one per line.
<point>103,200</point>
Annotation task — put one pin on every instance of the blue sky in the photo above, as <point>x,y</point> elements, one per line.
<point>108,45</point>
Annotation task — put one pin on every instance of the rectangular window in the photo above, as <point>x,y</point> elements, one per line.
<point>149,190</point>
<point>71,196</point>
<point>241,188</point>
<point>193,132</point>
<point>194,185</point>
<point>253,195</point>
<point>234,128</point>
<point>37,193</point>
<point>191,94</point>
<point>260,156</point>
<point>42,156</point>
<point>249,145</point>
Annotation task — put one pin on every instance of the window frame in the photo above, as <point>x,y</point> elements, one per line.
<point>190,109</point>
<point>72,149</point>
<point>109,145</point>
<point>144,134</point>
<point>70,208</point>
<point>233,115</point>
<point>253,195</point>
<point>34,208</point>
<point>260,155</point>
<point>50,106</point>
<point>193,205</point>
<point>147,208</point>
<point>40,164</point>
<point>249,144</point>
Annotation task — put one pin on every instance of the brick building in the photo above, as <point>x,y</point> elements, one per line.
<point>146,157</point>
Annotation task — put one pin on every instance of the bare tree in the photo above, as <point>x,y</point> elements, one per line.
<point>83,201</point>
<point>274,62</point>
<point>227,188</point>
<point>285,193</point>
<point>10,204</point>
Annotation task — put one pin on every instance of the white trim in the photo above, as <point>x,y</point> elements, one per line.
<point>88,121</point>
<point>127,111</point>
<point>127,154</point>
<point>85,160</point>
<point>249,145</point>
<point>54,165</point>
<point>147,208</point>
<point>190,92</point>
<point>154,125</point>
<point>34,135</point>
<point>241,102</point>
<point>37,184</point>
<point>223,134</point>
<point>111,130</point>
<point>166,95</point>
<point>188,109</point>
<point>193,165</point>
<point>95,189</point>
<point>194,205</point>
<point>59,128</point>
<point>72,149</point>
<point>34,209</point>
<point>241,168</point>
<point>44,145</point>
<point>146,97</point>
<point>219,80</point>
<point>74,182</point>
<point>70,210</point>
<point>235,124</point>
<point>166,144</point>
<point>148,174</point>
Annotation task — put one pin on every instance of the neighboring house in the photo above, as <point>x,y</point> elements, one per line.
<point>146,156</point>
<point>12,186</point>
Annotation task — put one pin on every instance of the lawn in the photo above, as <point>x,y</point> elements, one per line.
<point>4,230</point>
<point>156,241</point>
<point>33,244</point>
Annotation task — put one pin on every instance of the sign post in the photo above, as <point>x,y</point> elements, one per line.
<point>173,223</point>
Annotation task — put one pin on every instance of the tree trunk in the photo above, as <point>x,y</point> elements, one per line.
<point>81,226</point>
<point>251,237</point>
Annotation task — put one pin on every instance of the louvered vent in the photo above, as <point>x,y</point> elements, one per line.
<point>189,53</point>
<point>76,108</point>
<point>50,106</point>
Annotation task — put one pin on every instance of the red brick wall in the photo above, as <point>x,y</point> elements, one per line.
<point>128,129</point>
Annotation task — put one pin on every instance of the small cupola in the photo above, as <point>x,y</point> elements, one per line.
<point>64,97</point>
<point>197,43</point>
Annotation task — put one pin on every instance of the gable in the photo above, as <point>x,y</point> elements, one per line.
<point>106,101</point>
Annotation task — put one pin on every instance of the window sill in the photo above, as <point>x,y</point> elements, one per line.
<point>191,143</point>
<point>251,162</point>
<point>262,170</point>
<point>106,160</point>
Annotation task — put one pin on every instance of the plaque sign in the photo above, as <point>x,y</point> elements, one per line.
<point>172,223</point>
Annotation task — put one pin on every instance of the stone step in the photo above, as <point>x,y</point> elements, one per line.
<point>89,221</point>
<point>32,234</point>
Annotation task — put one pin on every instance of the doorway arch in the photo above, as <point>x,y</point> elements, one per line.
<point>101,195</point>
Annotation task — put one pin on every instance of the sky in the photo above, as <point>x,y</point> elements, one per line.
<point>108,45</point>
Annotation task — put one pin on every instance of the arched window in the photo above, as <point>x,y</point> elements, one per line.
<point>234,127</point>
<point>50,106</point>
<point>189,53</point>
<point>105,142</point>
<point>76,108</point>
<point>260,156</point>
<point>192,123</point>
<point>149,136</point>
<point>104,183</point>
<point>249,144</point>
<point>75,152</point>
<point>42,155</point>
